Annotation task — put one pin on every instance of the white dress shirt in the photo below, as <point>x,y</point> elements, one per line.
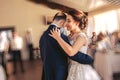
<point>17,43</point>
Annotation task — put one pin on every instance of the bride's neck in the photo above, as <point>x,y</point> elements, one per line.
<point>75,32</point>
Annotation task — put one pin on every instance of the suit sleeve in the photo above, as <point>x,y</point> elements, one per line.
<point>82,58</point>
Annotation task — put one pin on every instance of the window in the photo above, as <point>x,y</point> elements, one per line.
<point>106,22</point>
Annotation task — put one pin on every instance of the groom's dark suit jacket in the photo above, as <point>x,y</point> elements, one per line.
<point>55,60</point>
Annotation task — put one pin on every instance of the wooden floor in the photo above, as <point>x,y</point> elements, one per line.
<point>32,71</point>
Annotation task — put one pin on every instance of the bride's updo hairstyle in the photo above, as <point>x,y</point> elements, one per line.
<point>80,17</point>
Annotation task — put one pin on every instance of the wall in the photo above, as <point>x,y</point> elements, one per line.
<point>24,14</point>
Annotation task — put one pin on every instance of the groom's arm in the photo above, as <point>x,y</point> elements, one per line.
<point>82,58</point>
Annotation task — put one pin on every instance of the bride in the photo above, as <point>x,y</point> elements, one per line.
<point>76,23</point>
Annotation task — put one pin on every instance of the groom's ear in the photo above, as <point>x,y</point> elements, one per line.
<point>62,22</point>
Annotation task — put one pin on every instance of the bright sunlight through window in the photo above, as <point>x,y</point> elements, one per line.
<point>106,22</point>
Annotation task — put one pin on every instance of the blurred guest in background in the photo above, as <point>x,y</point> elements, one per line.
<point>118,40</point>
<point>113,39</point>
<point>16,47</point>
<point>29,41</point>
<point>93,42</point>
<point>3,49</point>
<point>92,45</point>
<point>104,42</point>
<point>93,38</point>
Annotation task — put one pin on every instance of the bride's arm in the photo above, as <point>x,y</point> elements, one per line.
<point>70,50</point>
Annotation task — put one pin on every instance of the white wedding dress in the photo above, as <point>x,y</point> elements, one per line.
<point>79,71</point>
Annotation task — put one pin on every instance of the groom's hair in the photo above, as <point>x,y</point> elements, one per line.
<point>60,15</point>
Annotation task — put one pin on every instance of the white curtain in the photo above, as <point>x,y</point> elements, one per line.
<point>118,14</point>
<point>103,22</point>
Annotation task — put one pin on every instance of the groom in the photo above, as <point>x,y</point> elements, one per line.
<point>55,60</point>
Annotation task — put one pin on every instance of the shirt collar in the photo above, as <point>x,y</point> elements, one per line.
<point>55,25</point>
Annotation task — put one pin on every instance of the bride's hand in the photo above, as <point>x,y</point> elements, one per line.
<point>55,33</point>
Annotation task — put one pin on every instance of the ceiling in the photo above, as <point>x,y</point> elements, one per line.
<point>87,5</point>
